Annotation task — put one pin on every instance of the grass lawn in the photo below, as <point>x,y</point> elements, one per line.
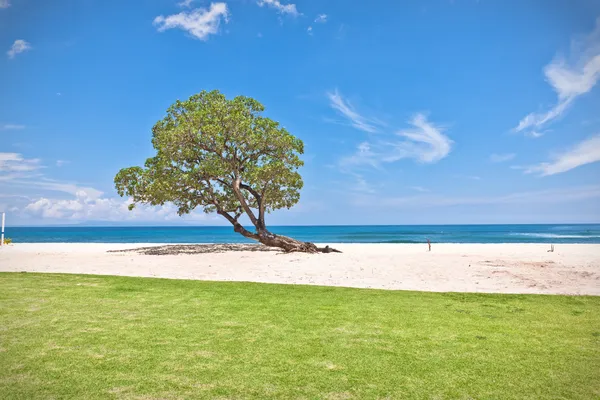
<point>70,336</point>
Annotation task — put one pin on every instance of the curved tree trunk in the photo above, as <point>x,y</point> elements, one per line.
<point>285,243</point>
<point>290,245</point>
<point>262,235</point>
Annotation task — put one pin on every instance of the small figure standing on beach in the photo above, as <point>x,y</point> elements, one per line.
<point>429,244</point>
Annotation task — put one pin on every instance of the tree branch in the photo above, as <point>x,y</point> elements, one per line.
<point>237,227</point>
<point>253,192</point>
<point>259,201</point>
<point>242,200</point>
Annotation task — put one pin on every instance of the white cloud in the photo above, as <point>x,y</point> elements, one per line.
<point>18,171</point>
<point>363,156</point>
<point>58,186</point>
<point>86,207</point>
<point>321,18</point>
<point>19,46</point>
<point>185,3</point>
<point>585,152</point>
<point>471,177</point>
<point>535,134</point>
<point>11,127</point>
<point>309,30</point>
<point>60,163</point>
<point>281,8</point>
<point>424,143</point>
<point>499,158</point>
<point>361,185</point>
<point>569,79</point>
<point>200,22</point>
<point>82,207</point>
<point>343,106</point>
<point>15,163</point>
<point>419,189</point>
<point>4,4</point>
<point>562,195</point>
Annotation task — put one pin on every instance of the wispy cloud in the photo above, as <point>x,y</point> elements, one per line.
<point>281,8</point>
<point>309,30</point>
<point>499,158</point>
<point>563,195</point>
<point>535,134</point>
<point>49,185</point>
<point>424,143</point>
<point>16,163</point>
<point>58,186</point>
<point>19,46</point>
<point>321,18</point>
<point>185,3</point>
<point>361,185</point>
<point>471,177</point>
<point>345,108</point>
<point>4,4</point>
<point>585,152</point>
<point>364,156</point>
<point>200,23</point>
<point>60,163</point>
<point>11,127</point>
<point>21,172</point>
<point>419,189</point>
<point>569,79</point>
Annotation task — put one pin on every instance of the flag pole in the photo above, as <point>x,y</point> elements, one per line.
<point>2,237</point>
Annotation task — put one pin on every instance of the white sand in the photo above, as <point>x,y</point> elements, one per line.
<point>494,268</point>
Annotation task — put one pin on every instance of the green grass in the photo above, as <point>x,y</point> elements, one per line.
<point>70,336</point>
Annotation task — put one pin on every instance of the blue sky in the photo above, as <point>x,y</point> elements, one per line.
<point>414,112</point>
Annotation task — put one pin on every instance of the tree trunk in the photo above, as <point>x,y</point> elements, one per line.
<point>262,235</point>
<point>285,243</point>
<point>290,245</point>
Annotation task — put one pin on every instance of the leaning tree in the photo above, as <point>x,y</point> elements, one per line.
<point>223,156</point>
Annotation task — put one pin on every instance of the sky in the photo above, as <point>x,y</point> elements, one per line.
<point>412,112</point>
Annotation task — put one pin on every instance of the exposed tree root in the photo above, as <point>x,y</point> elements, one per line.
<point>176,249</point>
<point>290,245</point>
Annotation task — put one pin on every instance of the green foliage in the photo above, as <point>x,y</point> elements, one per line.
<point>102,337</point>
<point>206,143</point>
<point>7,240</point>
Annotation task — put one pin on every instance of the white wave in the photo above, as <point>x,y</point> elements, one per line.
<point>555,236</point>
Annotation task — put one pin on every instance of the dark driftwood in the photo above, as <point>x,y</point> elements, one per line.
<point>176,249</point>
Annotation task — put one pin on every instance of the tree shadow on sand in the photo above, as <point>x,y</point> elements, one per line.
<point>194,249</point>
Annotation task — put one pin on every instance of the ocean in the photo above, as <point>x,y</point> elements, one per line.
<point>572,233</point>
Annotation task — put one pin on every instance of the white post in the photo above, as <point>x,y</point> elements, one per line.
<point>2,237</point>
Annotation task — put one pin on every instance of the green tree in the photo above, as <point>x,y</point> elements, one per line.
<point>223,156</point>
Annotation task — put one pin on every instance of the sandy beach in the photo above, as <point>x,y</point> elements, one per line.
<point>493,268</point>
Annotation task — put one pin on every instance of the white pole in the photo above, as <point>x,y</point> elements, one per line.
<point>2,238</point>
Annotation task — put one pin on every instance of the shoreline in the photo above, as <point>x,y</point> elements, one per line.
<point>449,267</point>
<point>138,244</point>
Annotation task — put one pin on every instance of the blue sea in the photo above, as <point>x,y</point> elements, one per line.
<point>586,233</point>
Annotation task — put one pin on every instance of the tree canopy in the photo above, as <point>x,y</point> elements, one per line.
<point>223,156</point>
